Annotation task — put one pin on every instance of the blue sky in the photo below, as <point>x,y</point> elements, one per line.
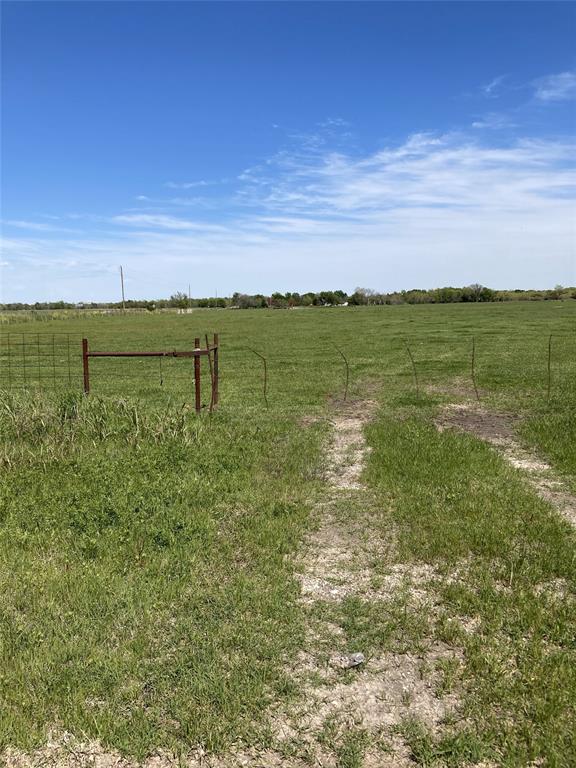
<point>285,146</point>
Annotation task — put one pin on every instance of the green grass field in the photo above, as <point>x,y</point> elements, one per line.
<point>149,594</point>
<point>511,349</point>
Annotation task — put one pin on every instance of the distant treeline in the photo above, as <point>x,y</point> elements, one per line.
<point>361,296</point>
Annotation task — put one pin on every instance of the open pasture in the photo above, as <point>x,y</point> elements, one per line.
<point>304,364</point>
<point>160,570</point>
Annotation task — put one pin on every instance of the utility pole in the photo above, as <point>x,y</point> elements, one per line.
<point>189,297</point>
<point>122,284</point>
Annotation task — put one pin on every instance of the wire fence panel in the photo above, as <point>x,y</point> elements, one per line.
<point>54,361</point>
<point>40,361</point>
<point>299,371</point>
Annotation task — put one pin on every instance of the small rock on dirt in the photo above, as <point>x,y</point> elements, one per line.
<point>348,660</point>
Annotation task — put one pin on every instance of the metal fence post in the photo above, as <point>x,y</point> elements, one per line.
<point>85,367</point>
<point>216,344</point>
<point>211,367</point>
<point>549,389</point>
<point>198,403</point>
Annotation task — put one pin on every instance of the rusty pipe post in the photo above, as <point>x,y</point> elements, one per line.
<point>549,388</point>
<point>473,368</point>
<point>85,367</point>
<point>211,367</point>
<point>216,344</point>
<point>265,381</point>
<point>198,404</point>
<point>414,371</point>
<point>347,380</point>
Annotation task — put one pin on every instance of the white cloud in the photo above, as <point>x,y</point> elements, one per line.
<point>452,171</point>
<point>160,221</point>
<point>32,225</point>
<point>491,89</point>
<point>433,210</point>
<point>197,202</point>
<point>494,121</point>
<point>560,87</point>
<point>186,184</point>
<point>159,203</point>
<point>334,122</point>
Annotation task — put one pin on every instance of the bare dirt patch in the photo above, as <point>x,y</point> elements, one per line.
<point>65,751</point>
<point>499,429</point>
<point>392,687</point>
<point>348,449</point>
<point>332,564</point>
<point>493,427</point>
<point>335,564</point>
<point>458,389</point>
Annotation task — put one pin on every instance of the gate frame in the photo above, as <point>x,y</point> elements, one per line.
<point>211,351</point>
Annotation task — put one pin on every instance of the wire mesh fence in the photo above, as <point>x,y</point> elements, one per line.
<point>39,360</point>
<point>294,374</point>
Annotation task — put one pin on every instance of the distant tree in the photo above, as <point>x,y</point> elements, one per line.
<point>278,300</point>
<point>293,299</point>
<point>487,294</point>
<point>307,299</point>
<point>179,299</point>
<point>477,292</point>
<point>326,298</point>
<point>358,298</point>
<point>366,296</point>
<point>557,292</point>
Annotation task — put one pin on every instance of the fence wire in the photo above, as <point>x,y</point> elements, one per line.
<point>39,360</point>
<point>301,372</point>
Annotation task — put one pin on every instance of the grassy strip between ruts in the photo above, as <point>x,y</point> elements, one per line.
<point>551,428</point>
<point>506,589</point>
<point>147,600</point>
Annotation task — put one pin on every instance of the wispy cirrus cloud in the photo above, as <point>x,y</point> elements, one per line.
<point>491,90</point>
<point>453,171</point>
<point>187,184</point>
<point>556,87</point>
<point>433,209</point>
<point>161,221</point>
<point>197,201</point>
<point>494,121</point>
<point>559,87</point>
<point>38,226</point>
